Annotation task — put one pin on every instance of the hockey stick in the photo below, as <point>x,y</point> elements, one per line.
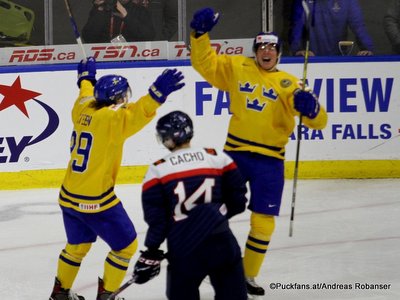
<point>122,288</point>
<point>75,28</point>
<point>296,164</point>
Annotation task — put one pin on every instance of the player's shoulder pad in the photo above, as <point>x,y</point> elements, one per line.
<point>210,151</point>
<point>158,162</point>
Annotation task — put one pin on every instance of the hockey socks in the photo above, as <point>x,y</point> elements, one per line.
<point>262,227</point>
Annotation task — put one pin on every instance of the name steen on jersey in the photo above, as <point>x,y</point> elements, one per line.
<point>85,119</point>
<point>186,157</point>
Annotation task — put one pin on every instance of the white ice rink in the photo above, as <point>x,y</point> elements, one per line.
<point>346,234</point>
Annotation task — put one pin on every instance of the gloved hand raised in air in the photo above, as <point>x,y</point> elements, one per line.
<point>148,265</point>
<point>204,20</point>
<point>306,103</point>
<point>169,81</point>
<point>87,70</point>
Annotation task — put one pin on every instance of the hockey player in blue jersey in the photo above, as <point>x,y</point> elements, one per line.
<point>188,197</point>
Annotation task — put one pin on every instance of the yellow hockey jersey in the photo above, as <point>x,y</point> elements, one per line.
<point>96,149</point>
<point>261,102</point>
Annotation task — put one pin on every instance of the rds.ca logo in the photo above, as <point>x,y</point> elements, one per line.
<point>11,147</point>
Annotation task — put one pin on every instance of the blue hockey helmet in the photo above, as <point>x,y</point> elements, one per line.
<point>110,88</point>
<point>174,129</point>
<point>267,38</point>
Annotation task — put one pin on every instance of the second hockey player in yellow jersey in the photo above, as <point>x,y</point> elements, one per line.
<point>103,120</point>
<point>264,102</point>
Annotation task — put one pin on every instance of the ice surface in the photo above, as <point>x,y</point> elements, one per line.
<point>346,232</point>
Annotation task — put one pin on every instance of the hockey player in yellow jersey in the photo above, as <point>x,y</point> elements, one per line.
<point>103,119</point>
<point>264,102</point>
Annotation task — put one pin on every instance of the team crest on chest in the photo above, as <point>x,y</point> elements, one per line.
<point>247,87</point>
<point>259,95</point>
<point>255,104</point>
<point>270,94</point>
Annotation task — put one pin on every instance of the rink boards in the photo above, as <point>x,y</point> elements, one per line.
<point>362,139</point>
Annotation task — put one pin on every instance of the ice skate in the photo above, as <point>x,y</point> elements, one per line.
<point>103,294</point>
<point>63,294</point>
<point>254,291</point>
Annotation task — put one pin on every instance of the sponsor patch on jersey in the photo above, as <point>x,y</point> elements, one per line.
<point>286,83</point>
<point>210,151</point>
<point>89,207</point>
<point>160,161</point>
<point>85,99</point>
<point>115,107</point>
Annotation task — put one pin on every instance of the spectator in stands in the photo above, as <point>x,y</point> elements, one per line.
<point>165,19</point>
<point>109,19</point>
<point>391,24</point>
<point>329,24</point>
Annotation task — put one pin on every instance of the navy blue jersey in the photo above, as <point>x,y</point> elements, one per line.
<point>332,19</point>
<point>188,195</point>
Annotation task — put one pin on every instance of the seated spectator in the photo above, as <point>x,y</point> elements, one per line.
<point>165,19</point>
<point>391,24</point>
<point>329,24</point>
<point>129,18</point>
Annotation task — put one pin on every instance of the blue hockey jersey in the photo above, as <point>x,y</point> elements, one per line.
<point>188,195</point>
<point>330,22</point>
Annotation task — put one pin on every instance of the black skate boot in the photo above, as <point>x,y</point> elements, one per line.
<point>62,294</point>
<point>103,294</point>
<point>253,289</point>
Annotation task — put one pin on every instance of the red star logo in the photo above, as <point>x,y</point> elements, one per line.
<point>15,95</point>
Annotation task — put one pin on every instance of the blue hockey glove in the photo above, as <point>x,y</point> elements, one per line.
<point>148,265</point>
<point>168,82</point>
<point>204,20</point>
<point>306,103</point>
<point>87,70</point>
